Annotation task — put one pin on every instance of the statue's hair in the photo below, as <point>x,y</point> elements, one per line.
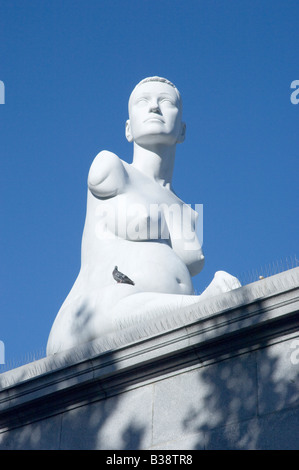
<point>158,79</point>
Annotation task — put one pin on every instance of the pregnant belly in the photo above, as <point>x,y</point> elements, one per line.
<point>153,266</point>
<point>157,268</point>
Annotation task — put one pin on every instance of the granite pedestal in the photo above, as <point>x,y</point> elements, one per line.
<point>222,374</point>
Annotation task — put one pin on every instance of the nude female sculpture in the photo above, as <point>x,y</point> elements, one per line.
<point>150,247</point>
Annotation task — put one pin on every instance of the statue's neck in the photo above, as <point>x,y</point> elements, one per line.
<point>155,162</point>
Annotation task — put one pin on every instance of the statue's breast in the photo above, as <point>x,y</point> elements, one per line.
<point>136,217</point>
<point>142,210</point>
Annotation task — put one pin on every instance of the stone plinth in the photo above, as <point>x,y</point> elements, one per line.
<point>222,374</point>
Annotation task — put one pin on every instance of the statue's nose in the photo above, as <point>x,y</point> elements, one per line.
<point>155,109</point>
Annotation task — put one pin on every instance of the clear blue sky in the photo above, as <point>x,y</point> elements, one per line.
<point>69,66</point>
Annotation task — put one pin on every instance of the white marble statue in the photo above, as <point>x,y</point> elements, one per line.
<point>139,245</point>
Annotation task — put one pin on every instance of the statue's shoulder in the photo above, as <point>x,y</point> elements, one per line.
<point>105,157</point>
<point>106,173</point>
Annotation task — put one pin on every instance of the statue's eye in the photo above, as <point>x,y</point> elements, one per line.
<point>167,101</point>
<point>142,101</point>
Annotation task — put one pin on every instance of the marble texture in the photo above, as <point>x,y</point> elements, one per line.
<point>134,220</point>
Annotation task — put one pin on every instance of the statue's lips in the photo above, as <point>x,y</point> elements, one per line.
<point>154,119</point>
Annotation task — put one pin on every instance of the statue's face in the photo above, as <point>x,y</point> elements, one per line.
<point>155,115</point>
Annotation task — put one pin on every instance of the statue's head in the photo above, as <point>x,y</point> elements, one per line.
<point>155,113</point>
<point>159,80</point>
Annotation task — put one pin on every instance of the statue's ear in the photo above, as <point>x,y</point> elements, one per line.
<point>128,131</point>
<point>182,134</point>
